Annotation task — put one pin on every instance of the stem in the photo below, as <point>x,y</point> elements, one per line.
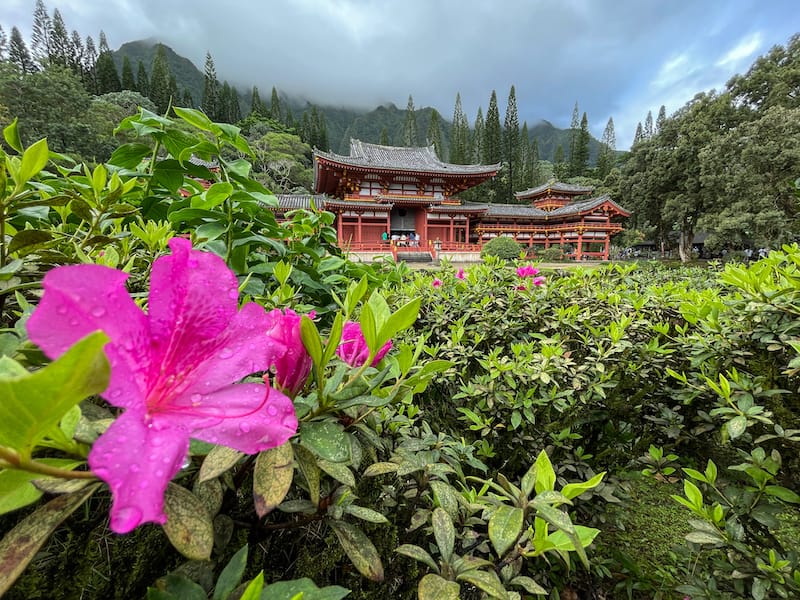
<point>9,459</point>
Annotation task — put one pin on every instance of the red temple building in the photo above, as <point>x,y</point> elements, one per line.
<point>410,195</point>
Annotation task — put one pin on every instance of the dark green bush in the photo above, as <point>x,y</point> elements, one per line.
<point>502,247</point>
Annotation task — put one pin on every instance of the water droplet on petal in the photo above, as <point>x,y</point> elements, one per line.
<point>98,311</point>
<point>115,393</point>
<point>233,294</point>
<point>159,472</point>
<point>134,468</point>
<point>272,411</point>
<point>245,427</point>
<point>156,440</point>
<point>196,398</point>
<point>225,353</point>
<point>126,518</point>
<point>62,310</point>
<point>73,322</point>
<point>186,462</point>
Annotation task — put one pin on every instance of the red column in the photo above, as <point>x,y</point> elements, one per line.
<point>605,250</point>
<point>579,249</point>
<point>339,234</point>
<point>452,229</point>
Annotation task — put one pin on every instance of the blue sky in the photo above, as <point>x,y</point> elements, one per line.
<point>615,58</point>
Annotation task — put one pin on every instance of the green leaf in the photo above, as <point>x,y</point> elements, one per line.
<point>196,118</point>
<point>339,471</point>
<point>369,329</point>
<point>444,532</point>
<point>22,543</point>
<point>693,493</point>
<point>505,527</point>
<point>381,468</point>
<point>217,461</point>
<point>488,581</point>
<point>545,475</point>
<point>176,586</point>
<point>188,525</point>
<point>129,156</point>
<point>434,587</point>
<point>703,537</point>
<point>573,490</point>
<point>169,173</point>
<point>365,514</point>
<point>312,341</point>
<point>254,589</point>
<point>327,440</point>
<point>35,403</point>
<point>307,463</point>
<point>34,159</point>
<point>272,477</point>
<point>359,549</point>
<point>231,575</point>
<point>445,496</point>
<point>736,426</point>
<point>529,585</point>
<point>11,135</point>
<point>417,553</point>
<point>213,196</point>
<point>783,493</point>
<point>403,318</point>
<point>282,590</point>
<point>17,489</point>
<point>28,237</point>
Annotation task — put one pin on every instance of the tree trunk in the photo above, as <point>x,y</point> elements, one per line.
<point>685,244</point>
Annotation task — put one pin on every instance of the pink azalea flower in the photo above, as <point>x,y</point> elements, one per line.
<point>437,283</point>
<point>174,370</point>
<point>293,364</point>
<point>537,281</point>
<point>527,271</point>
<point>521,288</point>
<point>460,274</point>
<point>353,347</point>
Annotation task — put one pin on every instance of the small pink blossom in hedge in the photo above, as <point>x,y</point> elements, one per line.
<point>537,281</point>
<point>521,288</point>
<point>292,363</point>
<point>527,271</point>
<point>174,370</point>
<point>460,274</point>
<point>353,348</point>
<point>437,283</point>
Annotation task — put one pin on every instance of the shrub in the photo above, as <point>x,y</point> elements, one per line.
<point>551,254</point>
<point>502,247</point>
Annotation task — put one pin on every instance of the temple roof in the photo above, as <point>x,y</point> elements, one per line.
<point>526,210</point>
<point>298,201</point>
<point>397,158</point>
<point>555,186</point>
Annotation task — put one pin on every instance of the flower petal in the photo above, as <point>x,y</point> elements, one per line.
<point>79,299</point>
<point>138,459</point>
<point>248,417</point>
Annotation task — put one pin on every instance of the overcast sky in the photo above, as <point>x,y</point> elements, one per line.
<point>616,58</point>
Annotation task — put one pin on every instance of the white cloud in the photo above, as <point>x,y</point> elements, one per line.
<point>745,49</point>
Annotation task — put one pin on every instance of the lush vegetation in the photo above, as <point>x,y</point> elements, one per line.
<point>518,439</point>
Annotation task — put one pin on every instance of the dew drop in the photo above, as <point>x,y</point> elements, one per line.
<point>186,462</point>
<point>244,427</point>
<point>233,294</point>
<point>73,322</point>
<point>134,468</point>
<point>166,460</point>
<point>226,353</point>
<point>159,472</point>
<point>144,483</point>
<point>272,411</point>
<point>98,311</point>
<point>157,440</point>
<point>126,518</point>
<point>62,310</point>
<point>115,393</point>
<point>196,398</point>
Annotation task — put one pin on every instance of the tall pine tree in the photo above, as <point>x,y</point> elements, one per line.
<point>90,66</point>
<point>40,34</point>
<point>3,44</point>
<point>639,135</point>
<point>60,42</point>
<point>410,133</point>
<point>511,144</point>
<point>275,108</point>
<point>142,81</point>
<point>661,118</point>
<point>574,133</point>
<point>477,138</point>
<point>212,100</point>
<point>581,158</point>
<point>493,148</point>
<point>607,156</point>
<point>160,80</point>
<point>459,135</point>
<point>105,69</point>
<point>434,135</point>
<point>256,106</point>
<point>18,54</point>
<point>128,81</point>
<point>78,52</point>
<point>537,175</point>
<point>648,126</point>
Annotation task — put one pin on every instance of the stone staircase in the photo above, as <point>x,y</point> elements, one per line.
<point>414,257</point>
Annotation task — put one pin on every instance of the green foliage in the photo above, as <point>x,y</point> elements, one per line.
<point>502,247</point>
